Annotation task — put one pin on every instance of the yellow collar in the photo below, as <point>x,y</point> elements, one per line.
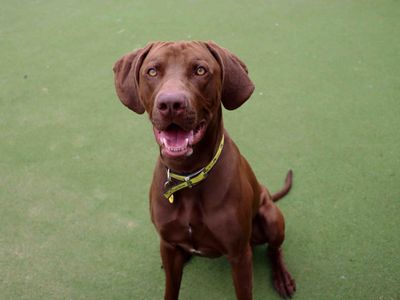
<point>192,179</point>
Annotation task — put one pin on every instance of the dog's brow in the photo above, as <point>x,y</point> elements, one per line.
<point>153,61</point>
<point>199,60</point>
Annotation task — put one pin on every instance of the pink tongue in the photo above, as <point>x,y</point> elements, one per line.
<point>176,137</point>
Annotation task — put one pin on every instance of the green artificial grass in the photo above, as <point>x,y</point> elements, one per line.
<point>75,165</point>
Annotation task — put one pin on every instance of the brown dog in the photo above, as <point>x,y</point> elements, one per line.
<point>204,198</point>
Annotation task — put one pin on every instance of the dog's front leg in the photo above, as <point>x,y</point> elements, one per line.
<point>173,259</point>
<point>242,274</point>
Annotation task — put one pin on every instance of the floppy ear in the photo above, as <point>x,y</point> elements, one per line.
<point>126,77</point>
<point>236,84</point>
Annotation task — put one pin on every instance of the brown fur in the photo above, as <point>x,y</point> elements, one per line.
<point>229,212</point>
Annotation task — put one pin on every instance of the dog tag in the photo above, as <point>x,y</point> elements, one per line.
<point>171,199</point>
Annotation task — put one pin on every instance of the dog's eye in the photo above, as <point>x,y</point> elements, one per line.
<point>152,72</point>
<point>200,71</point>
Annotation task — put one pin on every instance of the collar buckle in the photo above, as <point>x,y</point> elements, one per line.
<point>188,181</point>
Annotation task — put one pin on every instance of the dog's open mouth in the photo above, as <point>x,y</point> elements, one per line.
<point>176,142</point>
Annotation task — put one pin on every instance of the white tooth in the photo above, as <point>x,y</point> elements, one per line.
<point>189,152</point>
<point>187,142</point>
<point>163,141</point>
<point>191,137</point>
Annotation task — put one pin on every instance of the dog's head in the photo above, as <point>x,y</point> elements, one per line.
<point>181,86</point>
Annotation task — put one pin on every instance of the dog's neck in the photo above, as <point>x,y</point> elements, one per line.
<point>203,152</point>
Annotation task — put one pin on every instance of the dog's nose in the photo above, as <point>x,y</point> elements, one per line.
<point>171,104</point>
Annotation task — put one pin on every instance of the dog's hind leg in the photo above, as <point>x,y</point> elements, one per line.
<point>272,224</point>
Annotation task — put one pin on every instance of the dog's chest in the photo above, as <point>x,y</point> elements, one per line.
<point>189,229</point>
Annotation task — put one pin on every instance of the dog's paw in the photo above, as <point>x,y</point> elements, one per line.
<point>284,284</point>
